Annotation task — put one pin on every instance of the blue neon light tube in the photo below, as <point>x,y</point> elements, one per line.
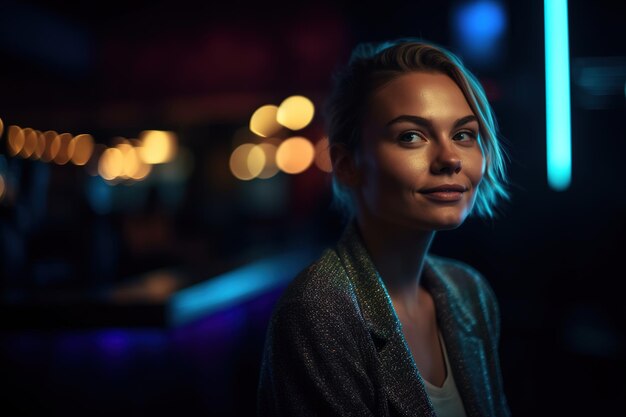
<point>558,117</point>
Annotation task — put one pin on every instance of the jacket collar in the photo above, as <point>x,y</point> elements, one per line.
<point>403,383</point>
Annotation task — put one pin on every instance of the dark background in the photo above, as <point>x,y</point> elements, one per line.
<point>113,69</point>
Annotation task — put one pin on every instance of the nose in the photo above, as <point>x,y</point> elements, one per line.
<point>446,160</point>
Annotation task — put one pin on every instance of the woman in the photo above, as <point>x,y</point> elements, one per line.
<point>378,326</point>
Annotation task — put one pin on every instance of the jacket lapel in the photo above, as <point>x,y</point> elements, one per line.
<point>466,351</point>
<point>402,381</point>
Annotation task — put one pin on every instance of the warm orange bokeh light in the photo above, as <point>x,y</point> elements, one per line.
<point>295,112</point>
<point>269,168</point>
<point>15,140</point>
<point>30,143</point>
<point>62,155</point>
<point>255,160</point>
<point>111,164</point>
<point>55,147</point>
<point>157,146</point>
<point>263,121</point>
<point>1,127</point>
<point>40,147</point>
<point>247,161</point>
<point>132,167</point>
<point>295,155</point>
<point>129,161</point>
<point>142,171</point>
<point>80,149</point>
<point>322,156</point>
<point>49,151</point>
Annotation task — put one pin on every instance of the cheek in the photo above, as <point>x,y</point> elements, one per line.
<point>402,171</point>
<point>475,168</point>
<point>390,179</point>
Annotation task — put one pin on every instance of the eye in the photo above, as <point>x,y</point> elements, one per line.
<point>465,136</point>
<point>410,137</point>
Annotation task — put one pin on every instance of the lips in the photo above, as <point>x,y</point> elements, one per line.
<point>446,188</point>
<point>445,193</point>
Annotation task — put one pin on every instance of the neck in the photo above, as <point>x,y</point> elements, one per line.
<point>398,254</point>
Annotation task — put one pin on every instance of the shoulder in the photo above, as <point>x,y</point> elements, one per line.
<point>321,293</point>
<point>317,307</point>
<point>317,350</point>
<point>323,276</point>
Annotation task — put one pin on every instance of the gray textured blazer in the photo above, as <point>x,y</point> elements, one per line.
<point>335,345</point>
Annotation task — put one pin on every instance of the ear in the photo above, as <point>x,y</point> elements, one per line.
<point>344,166</point>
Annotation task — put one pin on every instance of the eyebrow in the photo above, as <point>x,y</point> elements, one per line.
<point>427,122</point>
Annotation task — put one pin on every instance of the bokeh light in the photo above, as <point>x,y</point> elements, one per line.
<point>62,142</point>
<point>80,149</point>
<point>256,160</point>
<point>157,146</point>
<point>247,161</point>
<point>40,146</point>
<point>132,165</point>
<point>55,147</point>
<point>142,170</point>
<point>1,127</point>
<point>322,155</point>
<point>295,155</point>
<point>295,112</point>
<point>111,164</point>
<point>49,152</point>
<point>269,169</point>
<point>30,142</point>
<point>130,160</point>
<point>15,140</point>
<point>264,122</point>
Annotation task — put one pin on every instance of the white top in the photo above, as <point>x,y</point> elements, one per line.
<point>446,399</point>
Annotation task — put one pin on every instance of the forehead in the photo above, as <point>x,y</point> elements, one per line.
<point>424,94</point>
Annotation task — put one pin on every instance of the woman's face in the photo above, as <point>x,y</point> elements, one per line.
<point>420,162</point>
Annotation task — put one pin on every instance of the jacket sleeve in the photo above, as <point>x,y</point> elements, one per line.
<point>313,363</point>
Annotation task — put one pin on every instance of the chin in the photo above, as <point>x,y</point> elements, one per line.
<point>450,226</point>
<point>449,221</point>
<point>433,224</point>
